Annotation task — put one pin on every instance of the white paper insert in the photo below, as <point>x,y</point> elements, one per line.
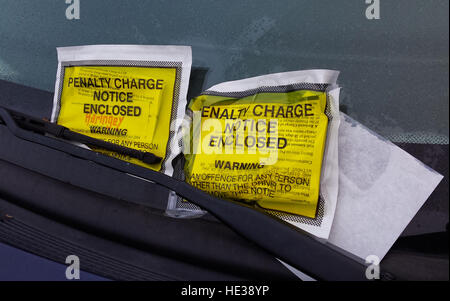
<point>381,188</point>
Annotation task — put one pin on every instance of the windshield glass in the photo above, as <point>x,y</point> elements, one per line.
<point>394,68</point>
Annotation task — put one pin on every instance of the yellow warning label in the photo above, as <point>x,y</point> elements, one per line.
<point>266,148</point>
<point>128,106</point>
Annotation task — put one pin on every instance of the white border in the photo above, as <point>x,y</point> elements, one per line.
<point>164,53</point>
<point>315,76</point>
<point>329,181</point>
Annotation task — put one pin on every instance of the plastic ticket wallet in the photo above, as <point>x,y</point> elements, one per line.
<point>270,141</point>
<point>134,96</point>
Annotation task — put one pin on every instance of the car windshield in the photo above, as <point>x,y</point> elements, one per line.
<point>393,61</point>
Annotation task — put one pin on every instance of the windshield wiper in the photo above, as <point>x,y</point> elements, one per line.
<point>44,127</point>
<point>284,241</point>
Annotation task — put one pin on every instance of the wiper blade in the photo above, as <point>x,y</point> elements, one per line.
<point>284,241</point>
<point>44,127</point>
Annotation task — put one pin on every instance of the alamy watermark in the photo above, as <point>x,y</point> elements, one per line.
<point>232,136</point>
<point>373,270</point>
<point>73,10</point>
<point>73,270</point>
<point>373,9</point>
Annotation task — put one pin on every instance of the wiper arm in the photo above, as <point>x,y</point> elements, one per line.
<point>44,127</point>
<point>284,241</point>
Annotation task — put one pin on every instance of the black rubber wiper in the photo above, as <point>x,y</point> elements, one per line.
<point>44,127</point>
<point>284,241</point>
